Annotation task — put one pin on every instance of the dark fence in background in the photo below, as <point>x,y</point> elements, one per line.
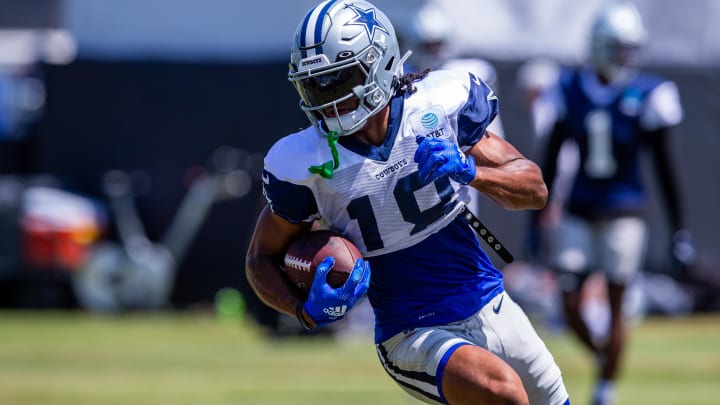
<point>162,118</point>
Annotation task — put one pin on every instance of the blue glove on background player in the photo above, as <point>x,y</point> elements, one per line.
<point>438,157</point>
<point>683,250</point>
<point>326,304</point>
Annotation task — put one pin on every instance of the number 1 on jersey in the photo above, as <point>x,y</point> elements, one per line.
<point>600,163</point>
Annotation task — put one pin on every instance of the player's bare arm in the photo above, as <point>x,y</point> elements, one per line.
<point>271,238</point>
<point>506,176</point>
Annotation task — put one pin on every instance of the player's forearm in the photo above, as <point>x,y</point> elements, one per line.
<point>266,279</point>
<point>666,178</point>
<point>515,185</point>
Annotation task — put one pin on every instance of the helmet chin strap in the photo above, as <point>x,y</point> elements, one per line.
<point>336,126</point>
<point>326,169</point>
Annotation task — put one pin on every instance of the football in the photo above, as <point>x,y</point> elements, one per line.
<point>307,251</point>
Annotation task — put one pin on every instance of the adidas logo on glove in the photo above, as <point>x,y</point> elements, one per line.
<point>335,311</point>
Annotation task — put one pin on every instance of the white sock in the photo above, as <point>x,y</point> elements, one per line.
<point>604,393</point>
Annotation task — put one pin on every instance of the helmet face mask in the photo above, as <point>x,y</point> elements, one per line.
<point>344,51</point>
<point>617,35</point>
<point>328,87</point>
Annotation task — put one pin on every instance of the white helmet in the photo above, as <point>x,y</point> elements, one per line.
<point>617,34</point>
<point>341,50</point>
<point>427,35</point>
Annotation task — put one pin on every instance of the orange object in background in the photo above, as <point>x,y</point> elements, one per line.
<point>58,228</point>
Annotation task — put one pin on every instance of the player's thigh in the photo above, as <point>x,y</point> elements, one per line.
<point>572,244</point>
<point>510,334</point>
<point>473,375</point>
<point>416,358</point>
<point>572,252</point>
<point>437,365</point>
<point>623,246</point>
<point>473,357</point>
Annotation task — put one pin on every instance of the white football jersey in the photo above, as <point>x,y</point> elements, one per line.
<point>375,197</point>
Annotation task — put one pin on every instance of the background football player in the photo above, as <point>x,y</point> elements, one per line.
<point>610,111</point>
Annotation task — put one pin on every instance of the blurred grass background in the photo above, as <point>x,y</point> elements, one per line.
<point>77,358</point>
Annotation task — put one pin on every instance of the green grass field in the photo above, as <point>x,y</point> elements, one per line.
<point>76,358</point>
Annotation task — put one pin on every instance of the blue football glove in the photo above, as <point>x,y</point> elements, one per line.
<point>683,250</point>
<point>326,304</point>
<point>438,157</point>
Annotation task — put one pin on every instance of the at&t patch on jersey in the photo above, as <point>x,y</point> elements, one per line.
<point>431,123</point>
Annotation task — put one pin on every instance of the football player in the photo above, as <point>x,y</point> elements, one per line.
<point>387,163</point>
<point>610,112</point>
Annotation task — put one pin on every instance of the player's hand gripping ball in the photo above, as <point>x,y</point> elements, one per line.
<point>306,252</point>
<point>330,273</point>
